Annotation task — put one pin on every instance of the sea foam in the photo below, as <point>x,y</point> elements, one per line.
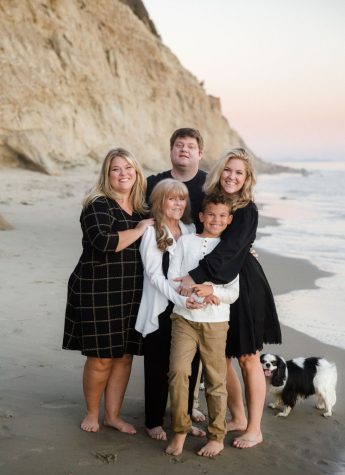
<point>310,210</point>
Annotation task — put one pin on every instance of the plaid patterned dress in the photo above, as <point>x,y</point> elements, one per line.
<point>105,288</point>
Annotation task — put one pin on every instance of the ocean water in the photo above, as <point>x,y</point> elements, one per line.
<point>311,212</point>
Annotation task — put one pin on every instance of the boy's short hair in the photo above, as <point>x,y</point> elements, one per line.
<point>187,132</point>
<point>215,199</point>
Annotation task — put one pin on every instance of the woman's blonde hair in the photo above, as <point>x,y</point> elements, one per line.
<point>165,189</point>
<point>103,187</point>
<point>212,183</point>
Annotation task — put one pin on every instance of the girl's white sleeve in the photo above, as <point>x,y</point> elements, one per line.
<point>176,264</point>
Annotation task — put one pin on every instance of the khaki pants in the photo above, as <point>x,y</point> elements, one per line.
<point>210,338</point>
<point>196,402</point>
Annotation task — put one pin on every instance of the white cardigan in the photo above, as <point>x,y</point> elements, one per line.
<point>156,290</point>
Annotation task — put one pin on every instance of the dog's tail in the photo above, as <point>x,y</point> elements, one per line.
<point>329,367</point>
<point>326,380</point>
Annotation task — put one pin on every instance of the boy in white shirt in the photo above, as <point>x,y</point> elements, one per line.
<point>204,329</point>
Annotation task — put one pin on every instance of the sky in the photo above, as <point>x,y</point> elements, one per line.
<point>278,67</point>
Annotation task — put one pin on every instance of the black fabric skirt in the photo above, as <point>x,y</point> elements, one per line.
<point>253,317</point>
<point>103,331</point>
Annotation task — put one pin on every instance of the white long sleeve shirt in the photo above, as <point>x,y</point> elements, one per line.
<point>156,289</point>
<point>190,249</point>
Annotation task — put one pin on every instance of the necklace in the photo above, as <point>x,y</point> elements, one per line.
<point>176,233</point>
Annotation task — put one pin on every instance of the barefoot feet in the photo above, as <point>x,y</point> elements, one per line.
<point>90,423</point>
<point>157,433</point>
<point>196,432</point>
<point>176,445</point>
<point>197,416</point>
<point>120,425</point>
<point>236,425</point>
<point>247,440</point>
<point>212,448</point>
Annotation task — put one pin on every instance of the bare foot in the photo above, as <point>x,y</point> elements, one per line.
<point>234,425</point>
<point>196,432</point>
<point>120,425</point>
<point>90,423</point>
<point>157,433</point>
<point>176,445</point>
<point>198,416</point>
<point>212,448</point>
<point>247,440</point>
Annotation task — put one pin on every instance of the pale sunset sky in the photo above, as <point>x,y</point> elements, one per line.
<point>278,67</point>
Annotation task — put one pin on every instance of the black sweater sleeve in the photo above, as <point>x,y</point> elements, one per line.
<point>98,226</point>
<point>226,260</point>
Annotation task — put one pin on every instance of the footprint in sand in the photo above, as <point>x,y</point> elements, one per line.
<point>106,457</point>
<point>6,414</point>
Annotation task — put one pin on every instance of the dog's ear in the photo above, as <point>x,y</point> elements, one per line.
<point>278,375</point>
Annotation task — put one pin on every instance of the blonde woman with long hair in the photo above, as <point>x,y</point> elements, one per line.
<point>253,317</point>
<point>105,288</point>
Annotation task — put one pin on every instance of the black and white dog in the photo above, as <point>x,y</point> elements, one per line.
<point>300,378</point>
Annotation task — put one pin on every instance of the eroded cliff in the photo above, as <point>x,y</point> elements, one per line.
<point>79,77</point>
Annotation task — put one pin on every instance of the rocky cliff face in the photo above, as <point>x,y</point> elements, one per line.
<point>78,77</point>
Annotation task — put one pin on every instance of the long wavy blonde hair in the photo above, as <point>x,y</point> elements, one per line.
<point>245,195</point>
<point>165,189</point>
<point>103,187</point>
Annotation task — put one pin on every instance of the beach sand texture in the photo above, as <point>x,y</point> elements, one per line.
<point>41,401</point>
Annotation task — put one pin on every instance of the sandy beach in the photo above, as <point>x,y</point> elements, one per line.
<point>41,401</point>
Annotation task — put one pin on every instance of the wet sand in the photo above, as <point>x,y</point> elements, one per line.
<point>41,402</point>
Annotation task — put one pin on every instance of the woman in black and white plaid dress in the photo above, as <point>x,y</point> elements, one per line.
<point>104,290</point>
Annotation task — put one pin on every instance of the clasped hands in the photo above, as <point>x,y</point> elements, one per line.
<point>198,295</point>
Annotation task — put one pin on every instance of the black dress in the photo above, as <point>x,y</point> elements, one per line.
<point>105,288</point>
<point>253,317</point>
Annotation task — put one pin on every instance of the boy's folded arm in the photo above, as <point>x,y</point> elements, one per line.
<point>203,290</point>
<point>227,293</point>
